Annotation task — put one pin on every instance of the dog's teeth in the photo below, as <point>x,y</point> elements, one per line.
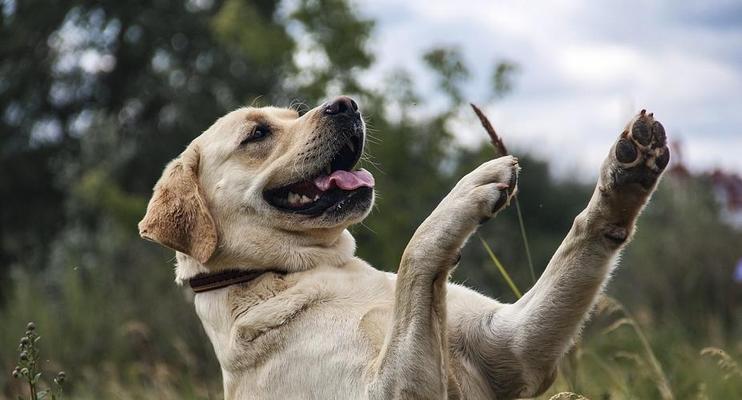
<point>316,197</point>
<point>294,198</point>
<point>305,199</point>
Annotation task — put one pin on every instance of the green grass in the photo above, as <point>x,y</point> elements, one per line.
<point>616,359</point>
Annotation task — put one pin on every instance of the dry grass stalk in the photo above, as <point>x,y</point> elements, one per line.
<point>568,396</point>
<point>663,385</point>
<point>501,150</point>
<point>494,137</point>
<point>724,361</point>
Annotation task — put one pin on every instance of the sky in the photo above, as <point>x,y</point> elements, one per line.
<point>585,67</point>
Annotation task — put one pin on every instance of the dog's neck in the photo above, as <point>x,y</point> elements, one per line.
<point>286,252</point>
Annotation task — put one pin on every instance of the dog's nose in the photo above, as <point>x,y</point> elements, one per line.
<point>341,105</point>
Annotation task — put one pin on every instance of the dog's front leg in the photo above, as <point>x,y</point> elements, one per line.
<point>518,346</point>
<point>413,361</point>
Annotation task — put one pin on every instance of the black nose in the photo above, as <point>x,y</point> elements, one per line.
<point>341,105</point>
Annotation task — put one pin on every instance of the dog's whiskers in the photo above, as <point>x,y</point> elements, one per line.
<point>256,101</point>
<point>367,158</point>
<point>367,227</point>
<point>299,106</point>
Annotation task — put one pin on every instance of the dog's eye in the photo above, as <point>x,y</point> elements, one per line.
<point>258,133</point>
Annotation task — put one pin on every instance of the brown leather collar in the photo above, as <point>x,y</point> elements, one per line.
<point>217,280</point>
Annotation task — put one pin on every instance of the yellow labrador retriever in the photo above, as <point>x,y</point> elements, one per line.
<point>257,209</point>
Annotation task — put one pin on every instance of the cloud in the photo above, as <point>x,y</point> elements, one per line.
<point>587,67</point>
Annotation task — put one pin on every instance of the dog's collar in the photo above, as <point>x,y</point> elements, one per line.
<point>211,281</point>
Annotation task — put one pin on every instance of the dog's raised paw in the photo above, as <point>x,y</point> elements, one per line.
<point>640,154</point>
<point>490,187</point>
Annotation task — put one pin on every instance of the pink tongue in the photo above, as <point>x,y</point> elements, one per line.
<point>346,180</point>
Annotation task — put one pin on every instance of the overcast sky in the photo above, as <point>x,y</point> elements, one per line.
<point>585,68</point>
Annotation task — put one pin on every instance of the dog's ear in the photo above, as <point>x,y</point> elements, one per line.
<point>177,215</point>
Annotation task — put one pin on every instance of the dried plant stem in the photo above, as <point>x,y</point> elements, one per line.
<point>497,142</point>
<point>501,150</point>
<point>725,361</point>
<point>662,383</point>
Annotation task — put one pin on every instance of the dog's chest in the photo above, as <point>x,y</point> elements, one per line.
<point>319,332</point>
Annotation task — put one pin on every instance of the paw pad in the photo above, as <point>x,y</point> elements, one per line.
<point>501,202</point>
<point>662,160</point>
<point>641,133</point>
<point>658,131</point>
<point>625,151</point>
<point>643,140</point>
<point>513,183</point>
<point>641,152</point>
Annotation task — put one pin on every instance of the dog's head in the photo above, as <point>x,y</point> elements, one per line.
<point>264,186</point>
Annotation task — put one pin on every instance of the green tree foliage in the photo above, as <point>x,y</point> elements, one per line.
<point>334,37</point>
<point>451,69</point>
<point>115,90</point>
<point>502,77</point>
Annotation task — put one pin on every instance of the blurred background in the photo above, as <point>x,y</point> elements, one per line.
<point>96,96</point>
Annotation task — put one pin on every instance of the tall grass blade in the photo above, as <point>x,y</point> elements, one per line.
<point>503,272</point>
<point>501,150</point>
<point>525,240</point>
<point>663,385</point>
<point>612,375</point>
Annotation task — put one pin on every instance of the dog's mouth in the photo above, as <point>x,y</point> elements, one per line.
<point>333,186</point>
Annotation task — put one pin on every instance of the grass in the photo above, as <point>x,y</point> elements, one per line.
<point>612,362</point>
<point>110,346</point>
<point>501,150</point>
<point>500,268</point>
<point>724,361</point>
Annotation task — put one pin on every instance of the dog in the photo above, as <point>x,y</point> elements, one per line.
<point>257,209</point>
